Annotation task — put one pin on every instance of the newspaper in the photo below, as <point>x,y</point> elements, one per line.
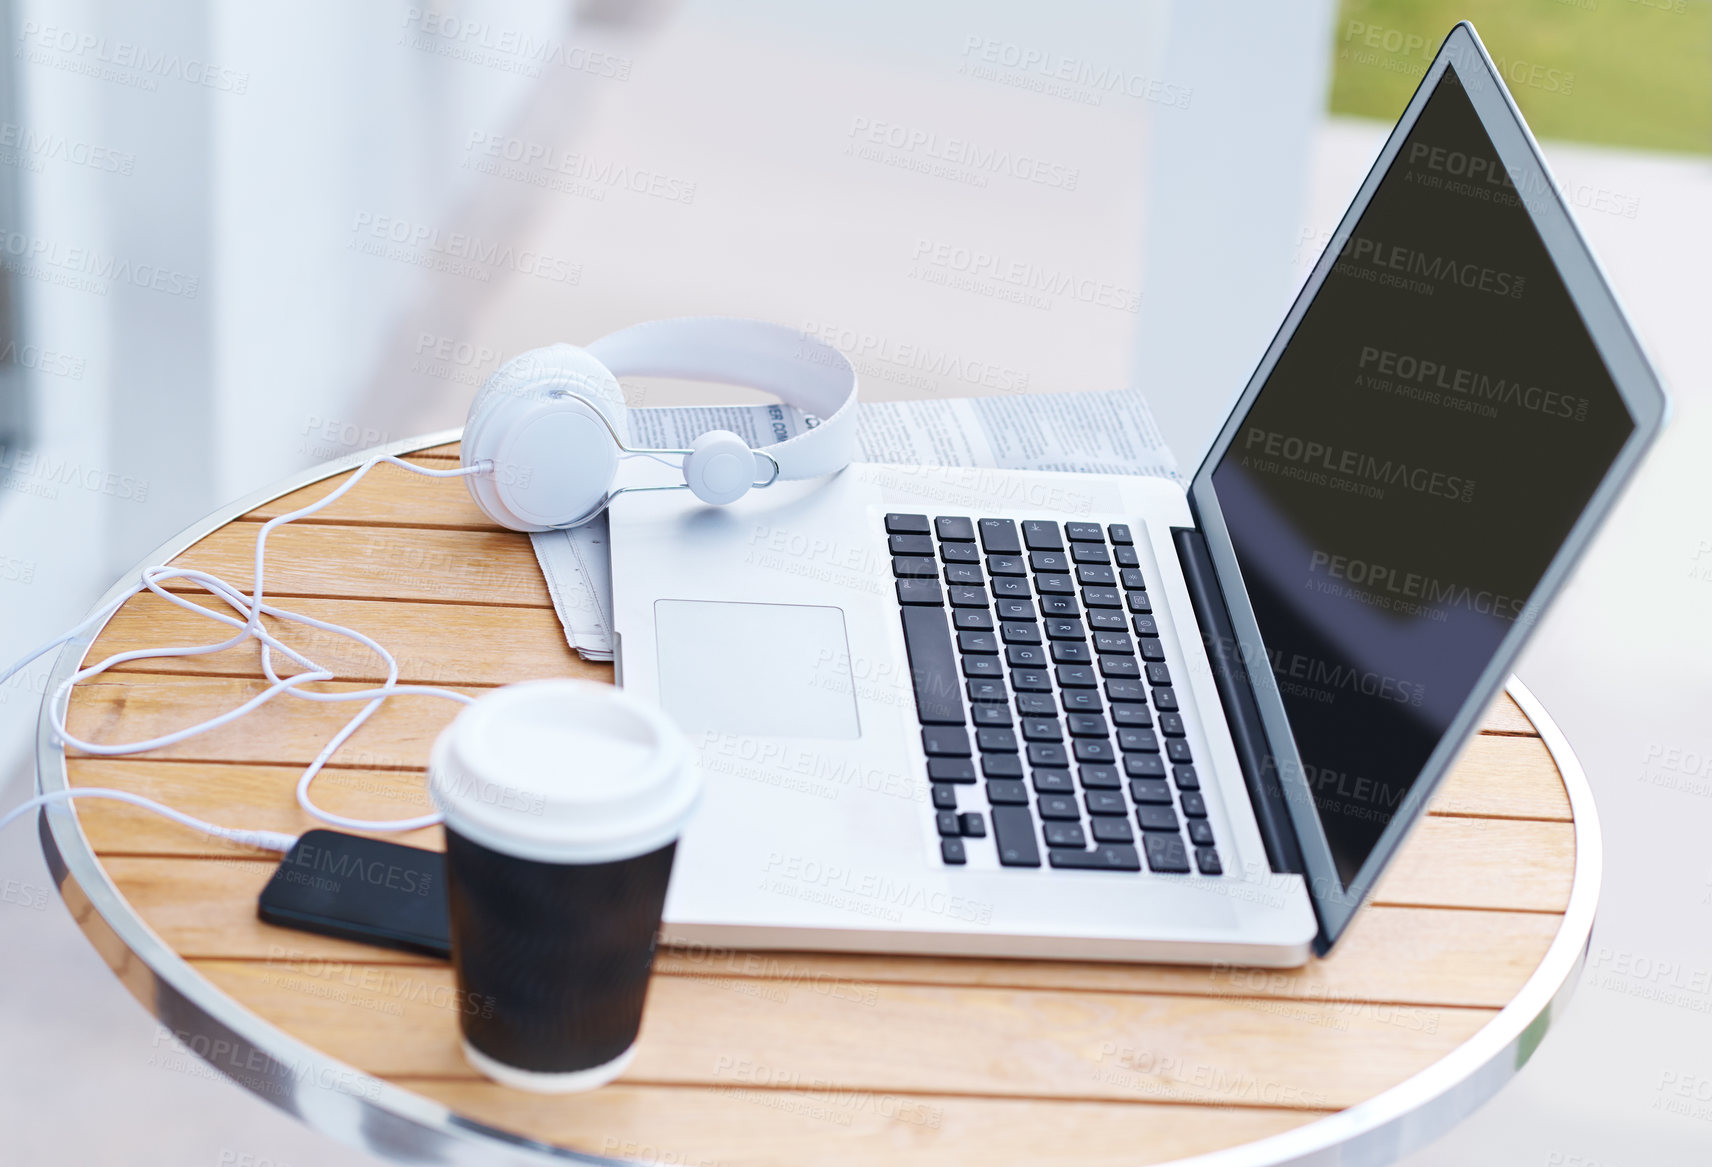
<point>1090,433</point>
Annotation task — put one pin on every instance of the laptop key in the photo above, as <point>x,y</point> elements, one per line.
<point>1041,535</point>
<point>967,597</point>
<point>1014,607</point>
<point>1156,818</point>
<point>1047,754</point>
<point>1158,674</point>
<point>1093,749</point>
<point>1138,603</point>
<point>1062,628</point>
<point>951,850</point>
<point>1070,652</point>
<point>1106,829</point>
<point>979,643</point>
<point>954,528</point>
<point>1013,833</point>
<point>1122,667</point>
<point>1009,587</point>
<point>1036,705</point>
<point>1138,741</point>
<point>946,821</point>
<point>971,620</point>
<point>1165,854</point>
<point>1086,725</point>
<point>1048,584</point>
<point>1083,532</point>
<point>1031,681</point>
<point>1102,598</point>
<point>1093,576</point>
<point>1178,750</point>
<point>1099,778</point>
<point>951,770</point>
<point>933,666</point>
<point>1126,557</point>
<point>1145,625</point>
<point>1041,729</point>
<point>1105,620</point>
<point>1120,534</point>
<point>1001,767</point>
<point>906,567</point>
<point>1144,765</point>
<point>1150,792</point>
<point>1080,701</point>
<point>1164,697</point>
<point>1106,857</point>
<point>991,714</point>
<point>910,544</point>
<point>999,537</point>
<point>1207,860</point>
<point>1118,642</point>
<point>1132,579</point>
<point>919,591</point>
<point>1059,606</point>
<point>964,573</point>
<point>1201,832</point>
<point>944,796</point>
<point>1132,716</point>
<point>960,553</point>
<point>1064,835</point>
<point>907,525</point>
<point>1059,806</point>
<point>1026,656</point>
<point>996,741</point>
<point>974,826</point>
<point>1186,778</point>
<point>1152,648</point>
<point>1052,782</point>
<point>982,666</point>
<point>1076,677</point>
<point>1171,725</point>
<point>1020,632</point>
<point>986,690</point>
<point>1006,565</point>
<point>1007,792</point>
<point>1049,561</point>
<point>1089,553</point>
<point>1126,690</point>
<point>945,741</point>
<point>1105,802</point>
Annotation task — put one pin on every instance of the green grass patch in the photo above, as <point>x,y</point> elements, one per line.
<point>1635,73</point>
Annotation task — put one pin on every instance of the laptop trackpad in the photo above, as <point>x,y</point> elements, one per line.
<point>773,670</point>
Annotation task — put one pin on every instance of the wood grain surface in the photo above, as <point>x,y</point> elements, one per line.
<point>750,1057</point>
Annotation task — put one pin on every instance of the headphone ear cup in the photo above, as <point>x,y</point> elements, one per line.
<point>552,458</point>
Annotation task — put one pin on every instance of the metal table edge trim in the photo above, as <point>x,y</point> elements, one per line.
<point>373,1115</point>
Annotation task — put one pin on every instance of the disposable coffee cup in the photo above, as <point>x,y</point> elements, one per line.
<point>563,802</point>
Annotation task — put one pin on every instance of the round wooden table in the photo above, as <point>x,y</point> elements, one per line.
<point>1441,989</point>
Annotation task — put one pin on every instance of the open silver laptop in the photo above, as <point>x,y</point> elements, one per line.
<point>985,712</point>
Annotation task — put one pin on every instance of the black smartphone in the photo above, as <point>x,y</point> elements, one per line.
<point>367,890</point>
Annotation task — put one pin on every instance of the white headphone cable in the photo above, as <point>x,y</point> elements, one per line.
<point>252,608</point>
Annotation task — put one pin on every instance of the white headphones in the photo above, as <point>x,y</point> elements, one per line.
<point>546,433</point>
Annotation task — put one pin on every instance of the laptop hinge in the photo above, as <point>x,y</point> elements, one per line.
<point>1236,693</point>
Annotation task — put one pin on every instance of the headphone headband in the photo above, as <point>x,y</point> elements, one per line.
<point>791,365</point>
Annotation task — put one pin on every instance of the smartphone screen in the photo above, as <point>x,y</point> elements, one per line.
<point>367,890</point>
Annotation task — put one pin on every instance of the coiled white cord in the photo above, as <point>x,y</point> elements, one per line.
<point>251,608</point>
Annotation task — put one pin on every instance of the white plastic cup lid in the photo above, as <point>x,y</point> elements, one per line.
<point>563,771</point>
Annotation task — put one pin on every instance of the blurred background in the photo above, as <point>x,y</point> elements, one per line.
<point>239,240</point>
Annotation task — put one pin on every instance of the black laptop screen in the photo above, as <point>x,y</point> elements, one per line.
<point>1417,456</point>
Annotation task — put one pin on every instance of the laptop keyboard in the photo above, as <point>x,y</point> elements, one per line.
<point>1041,683</point>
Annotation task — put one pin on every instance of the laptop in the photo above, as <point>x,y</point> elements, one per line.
<point>1004,713</point>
